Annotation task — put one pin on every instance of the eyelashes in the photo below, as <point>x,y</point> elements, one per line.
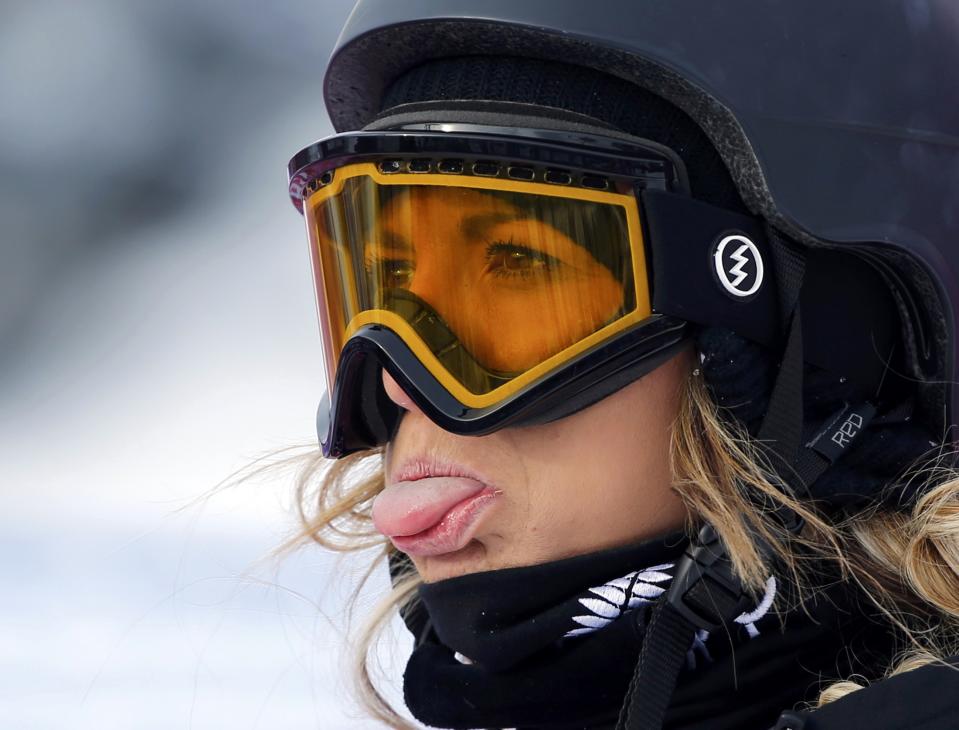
<point>392,273</point>
<point>503,259</point>
<point>510,259</point>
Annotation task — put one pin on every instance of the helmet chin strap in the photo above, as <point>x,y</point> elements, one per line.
<point>706,594</point>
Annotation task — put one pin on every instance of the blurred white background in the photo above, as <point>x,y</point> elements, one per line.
<point>157,333</point>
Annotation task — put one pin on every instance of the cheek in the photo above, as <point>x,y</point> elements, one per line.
<point>514,329</point>
<point>601,477</point>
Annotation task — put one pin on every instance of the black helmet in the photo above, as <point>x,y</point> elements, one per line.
<point>797,101</point>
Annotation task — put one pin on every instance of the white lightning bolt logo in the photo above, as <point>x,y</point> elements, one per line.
<point>731,279</point>
<point>737,270</point>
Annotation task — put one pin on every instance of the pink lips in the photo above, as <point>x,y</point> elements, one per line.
<point>431,514</point>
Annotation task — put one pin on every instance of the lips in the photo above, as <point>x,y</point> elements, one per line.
<point>431,514</point>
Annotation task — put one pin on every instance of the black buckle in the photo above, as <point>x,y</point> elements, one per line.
<point>705,590</point>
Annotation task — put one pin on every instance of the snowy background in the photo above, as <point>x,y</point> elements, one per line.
<point>157,333</point>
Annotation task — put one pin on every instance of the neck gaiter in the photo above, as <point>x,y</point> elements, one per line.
<point>555,645</point>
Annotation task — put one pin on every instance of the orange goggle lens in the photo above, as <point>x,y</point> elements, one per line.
<point>491,283</point>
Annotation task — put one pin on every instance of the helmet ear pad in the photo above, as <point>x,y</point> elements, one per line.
<point>740,375</point>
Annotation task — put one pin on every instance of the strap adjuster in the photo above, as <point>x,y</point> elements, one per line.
<point>705,590</point>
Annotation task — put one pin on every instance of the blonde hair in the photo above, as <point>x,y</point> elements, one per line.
<point>907,563</point>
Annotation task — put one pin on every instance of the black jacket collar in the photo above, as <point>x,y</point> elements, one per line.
<point>923,699</point>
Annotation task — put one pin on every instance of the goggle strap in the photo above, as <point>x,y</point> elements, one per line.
<point>850,316</point>
<point>682,235</point>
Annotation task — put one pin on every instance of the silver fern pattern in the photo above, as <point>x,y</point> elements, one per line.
<point>611,600</point>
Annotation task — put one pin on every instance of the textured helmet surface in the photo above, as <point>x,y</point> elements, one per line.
<point>837,122</point>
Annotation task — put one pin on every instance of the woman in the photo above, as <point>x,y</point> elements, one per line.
<point>653,345</point>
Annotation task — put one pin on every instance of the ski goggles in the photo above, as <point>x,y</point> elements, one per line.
<point>507,277</point>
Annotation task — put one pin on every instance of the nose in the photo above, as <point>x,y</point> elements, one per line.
<point>424,289</point>
<point>398,395</point>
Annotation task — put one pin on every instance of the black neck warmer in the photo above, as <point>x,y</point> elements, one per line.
<point>554,646</point>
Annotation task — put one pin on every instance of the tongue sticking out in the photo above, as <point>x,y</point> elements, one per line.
<point>407,508</point>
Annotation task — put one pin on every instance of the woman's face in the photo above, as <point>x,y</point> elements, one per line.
<point>515,290</point>
<point>596,479</point>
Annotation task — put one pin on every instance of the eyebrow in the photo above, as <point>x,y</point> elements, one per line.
<point>475,226</point>
<point>395,242</point>
<point>472,227</point>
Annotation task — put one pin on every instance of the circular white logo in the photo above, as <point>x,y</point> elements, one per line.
<point>739,265</point>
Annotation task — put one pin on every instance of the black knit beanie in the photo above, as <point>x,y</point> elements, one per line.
<point>612,101</point>
<point>739,374</point>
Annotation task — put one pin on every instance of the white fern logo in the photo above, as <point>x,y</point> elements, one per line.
<point>611,600</point>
